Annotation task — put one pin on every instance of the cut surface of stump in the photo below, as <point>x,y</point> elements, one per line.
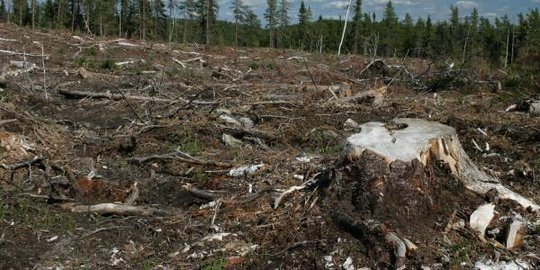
<point>396,180</point>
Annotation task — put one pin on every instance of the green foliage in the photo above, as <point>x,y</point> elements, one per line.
<point>5,96</point>
<point>214,264</point>
<point>107,64</point>
<point>35,216</point>
<point>351,249</point>
<point>92,51</point>
<point>187,143</point>
<point>254,65</point>
<point>512,81</point>
<point>462,250</point>
<point>324,142</point>
<point>81,62</point>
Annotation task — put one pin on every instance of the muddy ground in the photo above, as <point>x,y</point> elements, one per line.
<point>84,150</point>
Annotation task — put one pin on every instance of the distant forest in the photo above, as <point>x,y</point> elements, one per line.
<point>463,38</point>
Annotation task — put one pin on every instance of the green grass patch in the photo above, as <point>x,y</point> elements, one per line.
<point>107,64</point>
<point>214,264</point>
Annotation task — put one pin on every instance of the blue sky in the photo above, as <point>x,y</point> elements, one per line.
<point>438,9</point>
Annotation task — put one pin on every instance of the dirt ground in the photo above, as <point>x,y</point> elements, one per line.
<point>170,99</point>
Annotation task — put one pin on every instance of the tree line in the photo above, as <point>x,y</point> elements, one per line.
<point>461,38</point>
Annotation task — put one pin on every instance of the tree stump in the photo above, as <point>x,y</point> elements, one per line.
<point>395,180</point>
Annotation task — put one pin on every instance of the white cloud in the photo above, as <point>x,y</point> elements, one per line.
<point>338,4</point>
<point>400,2</point>
<point>490,15</point>
<point>255,3</point>
<point>467,4</point>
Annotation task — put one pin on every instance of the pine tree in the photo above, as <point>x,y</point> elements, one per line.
<point>239,14</point>
<point>207,11</point>
<point>253,25</point>
<point>283,21</point>
<point>159,19</point>
<point>272,20</point>
<point>357,25</point>
<point>188,9</point>
<point>3,10</point>
<point>48,14</point>
<point>21,12</point>
<point>390,30</point>
<point>390,19</point>
<point>408,36</point>
<point>303,20</point>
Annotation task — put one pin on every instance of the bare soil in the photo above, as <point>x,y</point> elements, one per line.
<point>88,150</point>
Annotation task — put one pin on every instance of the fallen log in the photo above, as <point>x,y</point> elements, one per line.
<point>375,97</point>
<point>75,94</point>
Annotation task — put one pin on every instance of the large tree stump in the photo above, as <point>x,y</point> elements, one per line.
<point>395,180</point>
<point>407,140</point>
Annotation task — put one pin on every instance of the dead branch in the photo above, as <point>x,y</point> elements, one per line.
<point>242,76</point>
<point>180,156</point>
<point>50,198</point>
<point>240,132</point>
<point>114,208</point>
<point>277,102</point>
<point>202,194</point>
<point>21,164</point>
<point>7,121</point>
<point>46,56</point>
<point>179,62</point>
<point>85,74</point>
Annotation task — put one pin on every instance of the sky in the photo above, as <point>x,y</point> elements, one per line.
<point>438,9</point>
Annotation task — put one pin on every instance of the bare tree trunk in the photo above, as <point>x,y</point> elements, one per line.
<point>33,14</point>
<point>235,33</point>
<point>171,21</point>
<point>100,24</point>
<point>465,46</point>
<point>121,7</point>
<point>344,28</point>
<point>207,22</point>
<point>143,21</point>
<point>184,35</point>
<point>375,44</point>
<point>271,32</point>
<point>321,44</point>
<point>20,13</point>
<point>507,47</point>
<point>73,11</point>
<point>513,45</point>
<point>59,13</point>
